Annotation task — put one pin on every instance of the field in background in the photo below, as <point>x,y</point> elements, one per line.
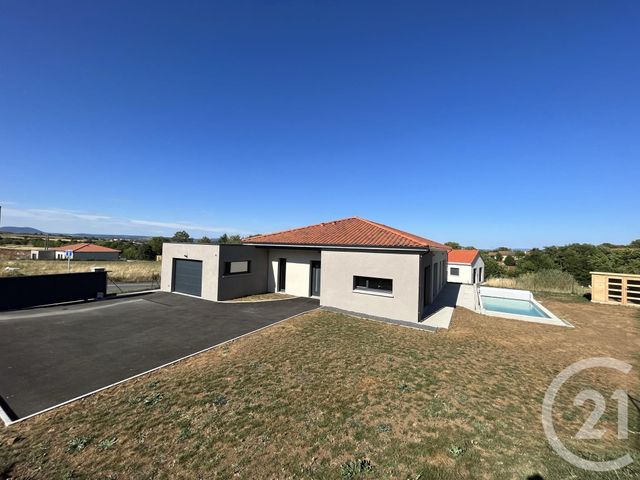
<point>551,281</point>
<point>119,271</point>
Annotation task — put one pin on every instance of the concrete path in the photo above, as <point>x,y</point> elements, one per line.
<point>439,313</point>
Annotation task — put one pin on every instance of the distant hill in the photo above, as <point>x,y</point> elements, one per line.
<point>27,230</point>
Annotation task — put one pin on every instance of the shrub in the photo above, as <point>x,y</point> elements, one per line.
<point>353,468</point>
<point>553,281</point>
<point>77,444</point>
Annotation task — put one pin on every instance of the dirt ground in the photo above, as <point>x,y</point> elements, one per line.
<point>326,395</point>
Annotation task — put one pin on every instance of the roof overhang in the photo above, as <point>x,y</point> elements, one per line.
<point>345,247</point>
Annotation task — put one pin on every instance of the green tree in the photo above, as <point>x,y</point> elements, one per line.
<point>181,237</point>
<point>498,257</point>
<point>224,238</point>
<point>453,245</point>
<point>536,260</point>
<point>509,261</point>
<point>518,254</point>
<point>156,244</point>
<point>491,267</point>
<point>635,244</point>
<point>205,240</point>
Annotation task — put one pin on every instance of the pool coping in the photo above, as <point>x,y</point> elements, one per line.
<point>553,320</point>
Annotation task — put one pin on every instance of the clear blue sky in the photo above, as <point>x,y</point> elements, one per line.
<point>486,123</point>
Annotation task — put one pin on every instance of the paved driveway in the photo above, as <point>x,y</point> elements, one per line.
<point>53,354</point>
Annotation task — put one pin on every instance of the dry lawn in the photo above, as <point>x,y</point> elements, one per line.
<point>124,271</point>
<point>331,396</point>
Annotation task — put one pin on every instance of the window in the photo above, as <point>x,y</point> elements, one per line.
<point>234,268</point>
<point>455,271</point>
<point>382,285</point>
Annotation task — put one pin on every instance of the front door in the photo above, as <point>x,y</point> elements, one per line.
<point>315,278</point>
<point>282,274</point>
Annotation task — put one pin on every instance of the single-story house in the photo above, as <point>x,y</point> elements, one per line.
<point>352,265</point>
<point>465,266</point>
<point>81,251</point>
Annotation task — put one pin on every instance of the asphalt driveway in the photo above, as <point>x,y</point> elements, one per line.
<point>54,354</point>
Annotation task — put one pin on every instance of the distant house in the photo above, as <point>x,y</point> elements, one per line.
<point>465,266</point>
<point>81,251</point>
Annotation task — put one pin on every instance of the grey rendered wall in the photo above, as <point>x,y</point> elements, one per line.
<point>479,263</point>
<point>298,277</point>
<point>208,254</point>
<point>240,285</point>
<point>96,255</point>
<point>431,259</point>
<point>339,268</point>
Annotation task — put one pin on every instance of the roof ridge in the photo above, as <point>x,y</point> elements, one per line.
<point>300,228</point>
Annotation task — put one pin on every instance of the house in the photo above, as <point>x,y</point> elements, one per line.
<point>352,265</point>
<point>465,266</point>
<point>81,251</point>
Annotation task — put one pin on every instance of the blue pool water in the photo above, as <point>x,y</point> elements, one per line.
<point>508,305</point>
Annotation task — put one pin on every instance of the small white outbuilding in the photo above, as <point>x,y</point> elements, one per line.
<point>465,266</point>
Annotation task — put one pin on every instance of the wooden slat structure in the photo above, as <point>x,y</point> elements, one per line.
<point>615,288</point>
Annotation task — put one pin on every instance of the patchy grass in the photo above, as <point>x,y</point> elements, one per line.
<point>263,297</point>
<point>123,270</point>
<point>330,396</point>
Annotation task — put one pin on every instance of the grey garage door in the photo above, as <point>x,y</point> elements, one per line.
<point>187,276</point>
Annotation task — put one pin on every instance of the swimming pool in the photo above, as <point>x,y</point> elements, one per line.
<point>513,306</point>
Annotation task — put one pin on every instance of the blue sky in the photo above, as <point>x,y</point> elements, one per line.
<point>486,123</point>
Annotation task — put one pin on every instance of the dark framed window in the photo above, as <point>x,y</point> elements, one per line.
<point>455,271</point>
<point>384,285</point>
<point>234,268</point>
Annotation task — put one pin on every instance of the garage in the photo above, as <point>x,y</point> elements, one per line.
<point>187,276</point>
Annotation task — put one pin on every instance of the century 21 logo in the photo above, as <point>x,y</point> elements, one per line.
<point>588,430</point>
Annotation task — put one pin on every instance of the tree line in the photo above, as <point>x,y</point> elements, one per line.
<point>149,249</point>
<point>577,259</point>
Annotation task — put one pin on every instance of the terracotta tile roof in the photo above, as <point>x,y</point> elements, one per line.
<point>463,256</point>
<point>86,247</point>
<point>352,232</point>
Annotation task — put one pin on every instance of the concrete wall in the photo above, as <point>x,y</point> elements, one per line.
<point>208,254</point>
<point>339,268</point>
<point>43,254</point>
<point>298,277</point>
<point>242,284</point>
<point>466,272</point>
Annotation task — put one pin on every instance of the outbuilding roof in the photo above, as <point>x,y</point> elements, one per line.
<point>86,247</point>
<point>351,232</point>
<point>463,256</point>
